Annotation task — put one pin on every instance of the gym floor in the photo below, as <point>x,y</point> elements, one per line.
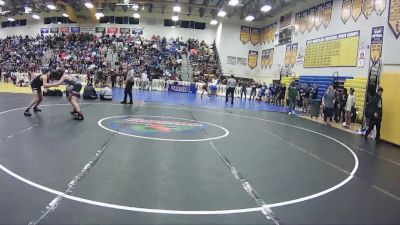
<point>176,159</point>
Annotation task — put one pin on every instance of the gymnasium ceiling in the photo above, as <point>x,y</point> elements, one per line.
<point>194,8</point>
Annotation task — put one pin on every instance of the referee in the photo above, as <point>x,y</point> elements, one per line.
<point>230,88</point>
<point>128,86</point>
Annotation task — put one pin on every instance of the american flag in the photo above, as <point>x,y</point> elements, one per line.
<point>285,20</point>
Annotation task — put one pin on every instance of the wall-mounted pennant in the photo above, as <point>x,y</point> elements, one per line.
<point>311,19</point>
<point>252,59</point>
<point>394,17</point>
<point>271,58</point>
<point>262,30</point>
<point>293,54</point>
<point>263,53</point>
<point>319,16</point>
<point>376,43</point>
<point>379,6</point>
<point>267,57</point>
<point>244,34</point>
<point>356,9</point>
<point>367,8</point>
<point>255,36</point>
<point>327,13</point>
<point>297,19</point>
<point>288,54</point>
<point>272,32</point>
<point>304,20</point>
<point>346,10</point>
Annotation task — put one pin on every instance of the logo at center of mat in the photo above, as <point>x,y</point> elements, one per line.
<point>145,125</point>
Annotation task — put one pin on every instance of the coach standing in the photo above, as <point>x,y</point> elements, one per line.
<point>130,79</point>
<point>230,88</point>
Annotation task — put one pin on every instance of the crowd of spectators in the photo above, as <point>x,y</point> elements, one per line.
<point>204,60</point>
<point>104,58</point>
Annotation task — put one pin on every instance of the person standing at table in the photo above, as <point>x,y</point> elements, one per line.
<point>230,88</point>
<point>130,79</point>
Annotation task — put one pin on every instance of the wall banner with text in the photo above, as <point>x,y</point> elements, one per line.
<point>327,13</point>
<point>293,54</point>
<point>319,14</point>
<point>255,36</point>
<point>376,44</point>
<point>367,8</point>
<point>263,58</point>
<point>124,30</point>
<point>54,30</point>
<point>100,30</point>
<point>252,59</point>
<point>271,58</point>
<point>64,29</point>
<point>379,6</point>
<point>244,34</point>
<point>346,10</point>
<point>311,19</point>
<point>304,20</point>
<point>356,9</point>
<point>394,17</point>
<point>297,20</point>
<point>288,54</point>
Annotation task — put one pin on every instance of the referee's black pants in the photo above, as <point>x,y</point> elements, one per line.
<point>230,90</point>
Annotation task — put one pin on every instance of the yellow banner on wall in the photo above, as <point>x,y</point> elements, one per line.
<point>267,53</point>
<point>271,58</point>
<point>244,34</point>
<point>288,55</point>
<point>319,14</point>
<point>394,17</point>
<point>379,6</point>
<point>367,8</point>
<point>346,10</point>
<point>356,9</point>
<point>293,55</point>
<point>311,19</point>
<point>376,44</point>
<point>339,50</point>
<point>297,20</point>
<point>327,13</point>
<point>303,22</point>
<point>263,59</point>
<point>255,36</point>
<point>252,59</point>
<point>272,32</point>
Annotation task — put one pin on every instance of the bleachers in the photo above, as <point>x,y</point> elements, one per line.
<point>323,82</point>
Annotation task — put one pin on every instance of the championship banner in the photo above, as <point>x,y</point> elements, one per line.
<point>75,29</point>
<point>266,34</point>
<point>44,30</point>
<point>274,28</point>
<point>263,58</point>
<point>297,20</point>
<point>327,13</point>
<point>252,59</point>
<point>100,30</point>
<point>379,6</point>
<point>356,9</point>
<point>346,10</point>
<point>394,17</point>
<point>137,31</point>
<point>319,14</point>
<point>288,54</point>
<point>54,30</point>
<point>262,34</point>
<point>267,57</point>
<point>64,29</point>
<point>271,58</point>
<point>304,20</point>
<point>376,43</point>
<point>112,30</point>
<point>244,34</point>
<point>367,8</point>
<point>255,36</point>
<point>124,30</point>
<point>293,55</point>
<point>311,19</point>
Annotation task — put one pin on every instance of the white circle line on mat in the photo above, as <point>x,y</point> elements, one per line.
<point>187,212</point>
<point>226,132</point>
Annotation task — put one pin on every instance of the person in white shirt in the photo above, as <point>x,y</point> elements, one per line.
<point>350,103</point>
<point>106,94</point>
<point>144,80</point>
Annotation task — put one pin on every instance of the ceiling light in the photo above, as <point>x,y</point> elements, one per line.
<point>135,7</point>
<point>177,8</point>
<point>36,17</point>
<point>89,5</point>
<point>249,18</point>
<point>65,15</point>
<point>233,2</point>
<point>99,15</point>
<point>136,15</point>
<point>266,8</point>
<point>11,19</point>
<point>221,13</point>
<point>2,2</point>
<point>175,18</point>
<point>213,22</point>
<point>51,6</point>
<point>27,9</point>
